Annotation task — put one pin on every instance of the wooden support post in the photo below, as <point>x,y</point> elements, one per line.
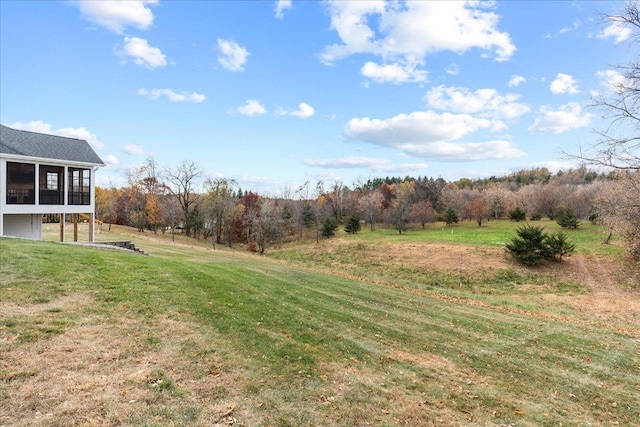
<point>62,227</point>
<point>92,219</point>
<point>75,227</point>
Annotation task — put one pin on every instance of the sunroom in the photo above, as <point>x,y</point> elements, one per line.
<point>43,175</point>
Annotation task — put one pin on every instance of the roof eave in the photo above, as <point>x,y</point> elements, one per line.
<point>49,160</point>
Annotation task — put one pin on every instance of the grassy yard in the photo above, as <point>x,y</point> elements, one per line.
<point>348,332</point>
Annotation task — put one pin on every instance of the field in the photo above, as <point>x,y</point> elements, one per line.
<point>435,327</point>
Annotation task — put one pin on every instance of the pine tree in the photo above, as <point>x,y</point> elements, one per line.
<point>517,214</point>
<point>530,246</point>
<point>353,224</point>
<point>329,228</point>
<point>450,216</point>
<point>559,245</point>
<point>566,218</point>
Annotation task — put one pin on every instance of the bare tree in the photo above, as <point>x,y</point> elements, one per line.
<point>268,224</point>
<point>181,182</point>
<point>618,145</point>
<point>618,206</point>
<point>370,207</point>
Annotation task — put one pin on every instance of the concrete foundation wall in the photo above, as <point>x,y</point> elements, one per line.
<point>25,226</point>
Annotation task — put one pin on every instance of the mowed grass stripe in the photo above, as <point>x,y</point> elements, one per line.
<point>484,340</point>
<point>285,320</point>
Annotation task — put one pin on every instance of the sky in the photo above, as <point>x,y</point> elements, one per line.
<point>274,94</point>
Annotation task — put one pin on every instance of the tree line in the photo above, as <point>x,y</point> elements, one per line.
<point>179,199</point>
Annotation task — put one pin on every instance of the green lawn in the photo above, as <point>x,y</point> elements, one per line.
<point>496,233</point>
<point>271,343</point>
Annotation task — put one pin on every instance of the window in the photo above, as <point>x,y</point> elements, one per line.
<point>21,183</point>
<point>80,188</point>
<point>51,185</point>
<point>52,181</point>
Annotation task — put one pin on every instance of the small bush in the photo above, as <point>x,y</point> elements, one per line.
<point>517,214</point>
<point>252,246</point>
<point>536,217</point>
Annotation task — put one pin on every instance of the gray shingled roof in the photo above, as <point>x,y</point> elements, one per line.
<point>32,144</point>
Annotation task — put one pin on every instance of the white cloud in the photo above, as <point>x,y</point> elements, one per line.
<point>393,73</point>
<point>564,30</point>
<point>564,83</point>
<point>117,15</point>
<point>568,117</point>
<point>304,111</point>
<point>41,127</point>
<point>378,165</point>
<point>142,54</point>
<point>485,102</point>
<point>516,80</point>
<point>616,30</point>
<point>134,150</point>
<point>232,56</point>
<point>347,163</point>
<point>251,108</point>
<point>428,134</point>
<point>408,31</point>
<point>110,159</point>
<point>172,96</point>
<point>613,80</point>
<point>453,69</point>
<point>281,6</point>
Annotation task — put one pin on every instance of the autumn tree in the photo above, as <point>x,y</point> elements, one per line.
<point>106,204</point>
<point>153,189</point>
<point>399,213</point>
<point>422,212</point>
<point>181,182</point>
<point>478,210</point>
<point>243,225</point>
<point>370,207</point>
<point>219,200</point>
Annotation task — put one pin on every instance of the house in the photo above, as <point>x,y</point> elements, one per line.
<point>44,174</point>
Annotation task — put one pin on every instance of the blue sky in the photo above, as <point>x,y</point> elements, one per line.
<point>275,93</point>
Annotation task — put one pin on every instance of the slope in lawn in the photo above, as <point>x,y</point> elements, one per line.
<point>92,336</point>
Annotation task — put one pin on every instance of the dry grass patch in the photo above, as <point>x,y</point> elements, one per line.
<point>98,371</point>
